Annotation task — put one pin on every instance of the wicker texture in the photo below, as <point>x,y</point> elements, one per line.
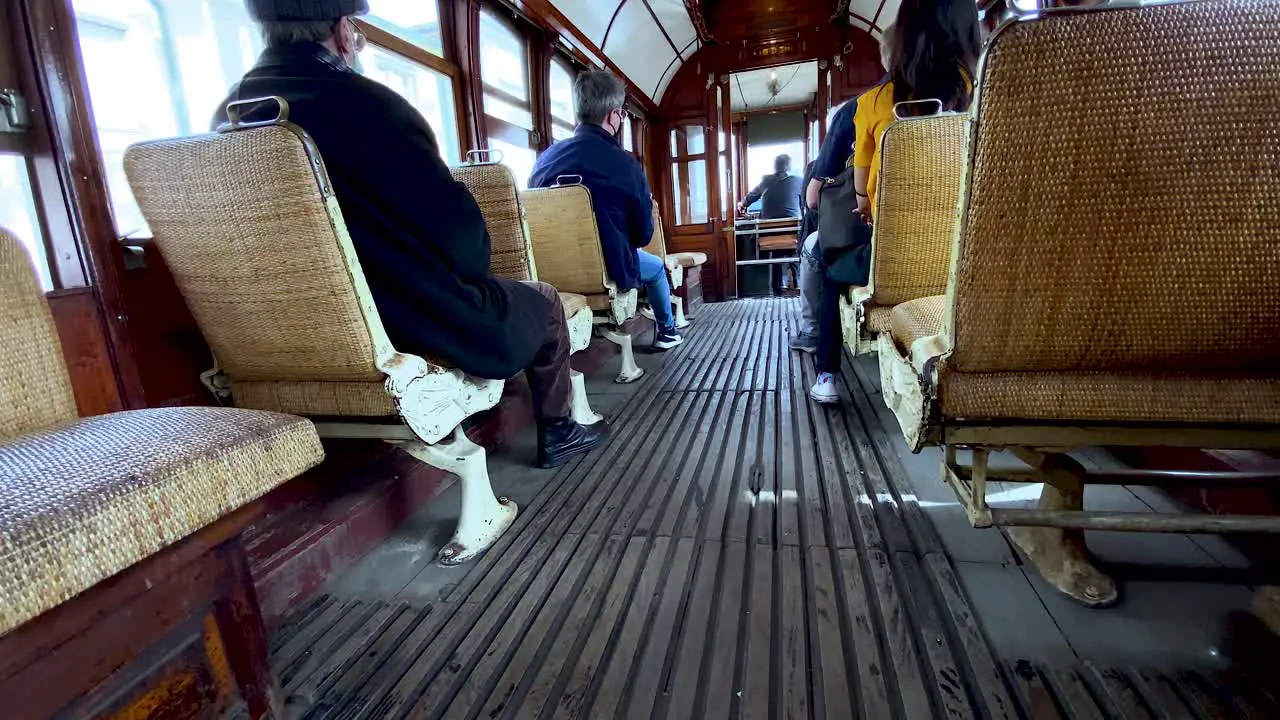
<point>917,198</point>
<point>82,502</point>
<point>1112,397</point>
<point>918,318</point>
<point>689,259</point>
<point>878,318</point>
<point>658,241</point>
<point>494,189</point>
<point>314,398</point>
<point>253,248</point>
<point>578,316</point>
<point>35,390</point>
<point>1123,208</point>
<point>260,251</point>
<point>566,242</point>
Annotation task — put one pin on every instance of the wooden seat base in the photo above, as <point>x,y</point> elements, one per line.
<point>174,636</point>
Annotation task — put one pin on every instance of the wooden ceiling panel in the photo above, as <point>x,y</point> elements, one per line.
<point>753,19</point>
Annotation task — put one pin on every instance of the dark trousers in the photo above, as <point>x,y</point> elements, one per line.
<point>548,374</point>
<point>827,358</point>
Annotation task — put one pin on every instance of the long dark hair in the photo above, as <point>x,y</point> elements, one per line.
<point>935,50</point>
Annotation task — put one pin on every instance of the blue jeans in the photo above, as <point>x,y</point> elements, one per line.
<point>653,273</point>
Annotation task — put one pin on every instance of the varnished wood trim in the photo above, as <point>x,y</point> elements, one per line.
<point>51,31</point>
<point>396,44</point>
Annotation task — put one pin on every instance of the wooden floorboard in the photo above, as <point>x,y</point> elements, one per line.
<point>733,552</point>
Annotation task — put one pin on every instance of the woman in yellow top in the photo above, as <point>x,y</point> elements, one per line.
<point>933,50</point>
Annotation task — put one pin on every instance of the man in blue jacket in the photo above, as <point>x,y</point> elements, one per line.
<point>619,193</point>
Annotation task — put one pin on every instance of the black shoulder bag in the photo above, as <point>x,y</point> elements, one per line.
<point>844,236</point>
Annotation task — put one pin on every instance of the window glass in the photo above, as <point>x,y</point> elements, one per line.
<point>157,70</point>
<point>503,60</point>
<point>677,200</point>
<point>510,112</point>
<point>628,142</point>
<point>18,213</point>
<point>417,21</point>
<point>561,92</point>
<point>696,142</point>
<point>760,159</point>
<point>726,186</point>
<point>697,191</point>
<point>560,132</point>
<point>430,92</point>
<point>519,159</point>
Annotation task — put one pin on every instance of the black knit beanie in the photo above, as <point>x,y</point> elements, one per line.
<point>305,10</point>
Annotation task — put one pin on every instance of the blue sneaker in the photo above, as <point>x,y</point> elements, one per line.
<point>666,338</point>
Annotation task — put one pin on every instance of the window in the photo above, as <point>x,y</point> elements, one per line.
<point>430,92</point>
<point>760,158</point>
<point>416,21</point>
<point>157,70</point>
<point>18,213</point>
<point>504,63</point>
<point>561,92</point>
<point>689,174</point>
<point>628,140</point>
<point>504,72</point>
<point>160,69</point>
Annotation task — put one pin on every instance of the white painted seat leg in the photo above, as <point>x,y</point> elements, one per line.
<point>682,322</point>
<point>631,372</point>
<point>483,517</point>
<point>582,412</point>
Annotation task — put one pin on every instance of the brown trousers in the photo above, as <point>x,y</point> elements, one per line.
<point>548,374</point>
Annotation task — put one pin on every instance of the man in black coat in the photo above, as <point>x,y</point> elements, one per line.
<point>418,233</point>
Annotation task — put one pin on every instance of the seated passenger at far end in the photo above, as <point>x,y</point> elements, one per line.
<point>620,194</point>
<point>419,235</point>
<point>779,193</point>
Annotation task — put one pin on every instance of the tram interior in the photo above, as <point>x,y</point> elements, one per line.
<point>1050,487</point>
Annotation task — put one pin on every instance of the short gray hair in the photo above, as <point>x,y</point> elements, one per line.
<point>281,33</point>
<point>595,94</point>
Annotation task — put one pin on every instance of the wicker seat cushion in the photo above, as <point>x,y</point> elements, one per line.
<point>85,500</point>
<point>316,398</point>
<point>915,319</point>
<point>689,259</point>
<point>878,318</point>
<point>574,303</point>
<point>1109,397</point>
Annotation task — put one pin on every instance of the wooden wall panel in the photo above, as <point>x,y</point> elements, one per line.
<point>168,346</point>
<point>85,350</point>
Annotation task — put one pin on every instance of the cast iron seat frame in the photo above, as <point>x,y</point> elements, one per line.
<point>185,186</point>
<point>565,239</point>
<point>1004,369</point>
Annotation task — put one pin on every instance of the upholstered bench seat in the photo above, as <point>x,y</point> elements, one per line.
<point>915,319</point>
<point>85,499</point>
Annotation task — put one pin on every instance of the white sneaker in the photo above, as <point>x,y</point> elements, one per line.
<point>824,391</point>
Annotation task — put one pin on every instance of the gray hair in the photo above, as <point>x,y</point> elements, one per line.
<point>596,93</point>
<point>281,33</point>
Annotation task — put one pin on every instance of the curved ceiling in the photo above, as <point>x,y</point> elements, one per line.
<point>873,15</point>
<point>750,91</point>
<point>647,39</point>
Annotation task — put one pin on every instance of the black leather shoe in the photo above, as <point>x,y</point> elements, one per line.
<point>561,440</point>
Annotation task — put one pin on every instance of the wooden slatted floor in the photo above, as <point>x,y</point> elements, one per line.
<point>734,551</point>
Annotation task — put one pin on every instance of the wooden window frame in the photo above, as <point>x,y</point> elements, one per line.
<point>490,125</point>
<point>389,41</point>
